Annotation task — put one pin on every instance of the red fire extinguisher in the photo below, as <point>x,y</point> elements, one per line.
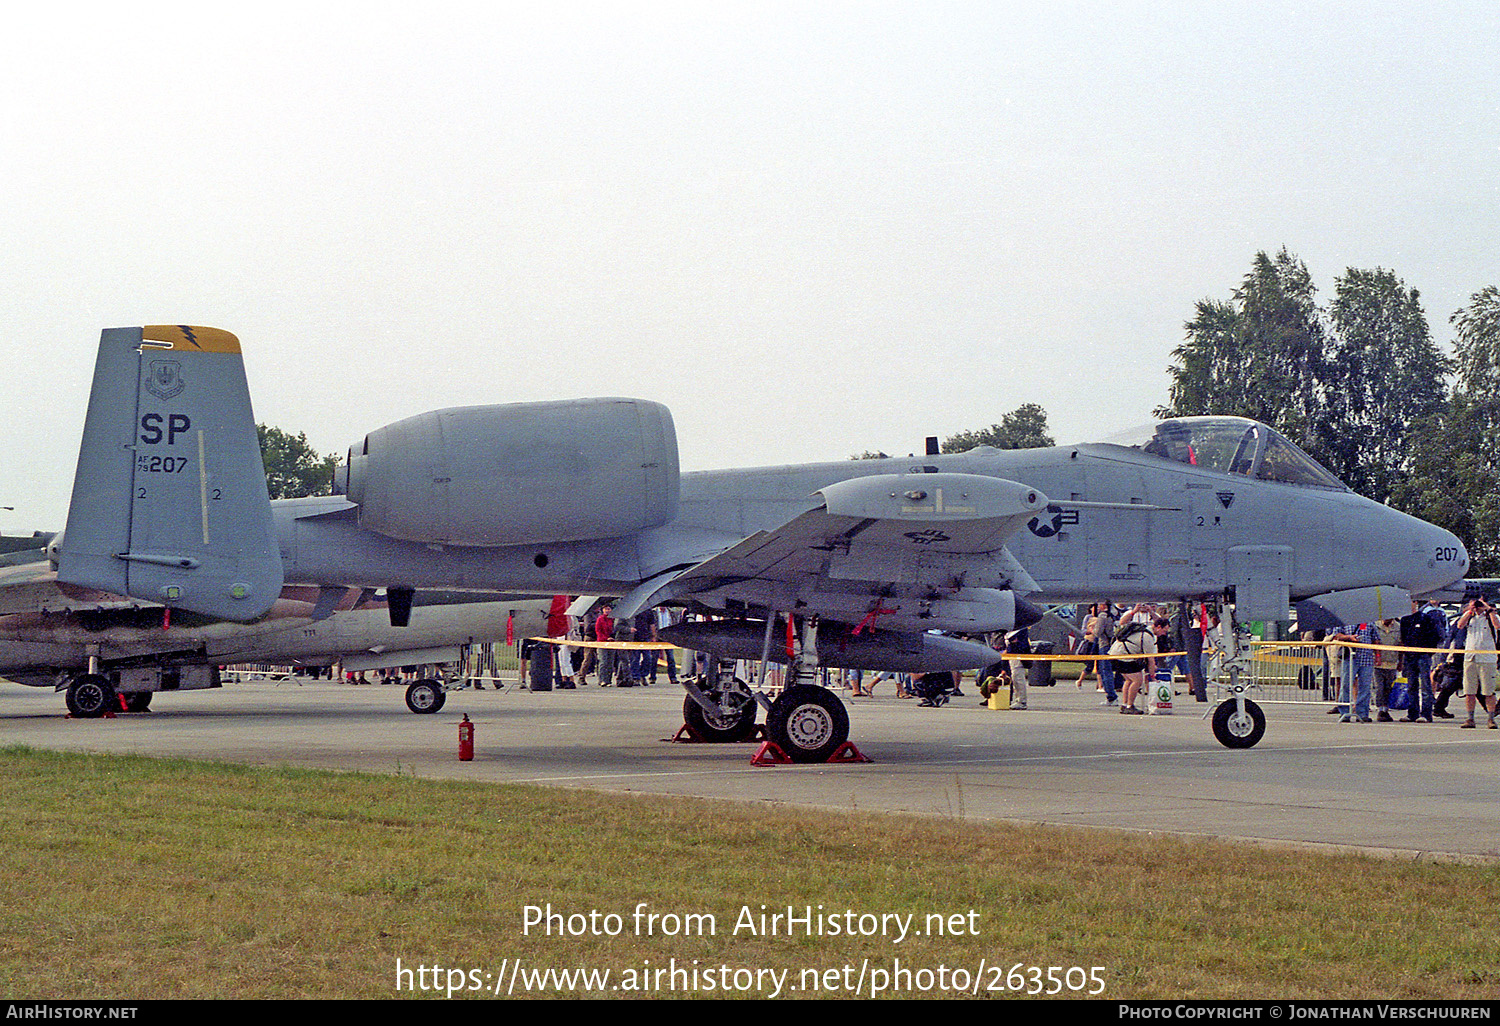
<point>466,740</point>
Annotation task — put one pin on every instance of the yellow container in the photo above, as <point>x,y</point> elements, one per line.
<point>1000,698</point>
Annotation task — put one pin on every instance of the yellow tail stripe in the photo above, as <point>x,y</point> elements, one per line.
<point>187,336</point>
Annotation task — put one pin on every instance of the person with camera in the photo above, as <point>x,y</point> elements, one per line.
<point>1136,640</point>
<point>1480,625</point>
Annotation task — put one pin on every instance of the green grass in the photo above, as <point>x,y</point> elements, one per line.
<point>129,877</point>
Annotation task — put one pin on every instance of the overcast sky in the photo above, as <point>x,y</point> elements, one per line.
<point>810,229</point>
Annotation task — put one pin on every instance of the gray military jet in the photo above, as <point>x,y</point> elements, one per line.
<point>858,563</point>
<point>104,650</point>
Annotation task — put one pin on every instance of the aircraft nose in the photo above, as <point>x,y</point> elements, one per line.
<point>1450,553</point>
<point>1440,560</point>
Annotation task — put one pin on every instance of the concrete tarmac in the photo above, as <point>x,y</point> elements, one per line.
<point>1398,789</point>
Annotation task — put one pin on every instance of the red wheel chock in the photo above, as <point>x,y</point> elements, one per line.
<point>848,752</point>
<point>686,735</point>
<point>770,755</point>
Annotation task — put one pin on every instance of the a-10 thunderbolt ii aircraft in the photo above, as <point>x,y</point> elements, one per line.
<point>104,649</point>
<point>859,563</point>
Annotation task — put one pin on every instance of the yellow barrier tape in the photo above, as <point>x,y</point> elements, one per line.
<point>1076,657</point>
<point>1328,643</point>
<point>625,646</point>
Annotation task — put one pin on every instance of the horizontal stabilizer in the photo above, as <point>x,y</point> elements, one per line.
<point>169,498</point>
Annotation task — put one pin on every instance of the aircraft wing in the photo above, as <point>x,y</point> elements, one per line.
<point>911,549</point>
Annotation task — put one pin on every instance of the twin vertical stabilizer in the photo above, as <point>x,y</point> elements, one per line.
<point>169,499</point>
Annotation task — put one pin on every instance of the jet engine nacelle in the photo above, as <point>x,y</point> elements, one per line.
<point>518,474</point>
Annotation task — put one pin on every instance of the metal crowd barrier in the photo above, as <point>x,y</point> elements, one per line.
<point>1286,672</point>
<point>496,664</point>
<point>1280,671</point>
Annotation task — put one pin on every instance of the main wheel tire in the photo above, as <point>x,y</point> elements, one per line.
<point>137,701</point>
<point>1235,731</point>
<point>425,696</point>
<point>808,723</point>
<point>90,696</point>
<point>735,726</point>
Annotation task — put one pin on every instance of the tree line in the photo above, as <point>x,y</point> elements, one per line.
<point>294,469</point>
<point>1357,382</point>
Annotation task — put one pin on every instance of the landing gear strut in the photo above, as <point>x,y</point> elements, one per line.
<point>808,722</point>
<point>723,711</point>
<point>1238,722</point>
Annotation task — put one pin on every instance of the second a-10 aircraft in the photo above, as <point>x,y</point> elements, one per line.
<point>857,563</point>
<point>110,651</point>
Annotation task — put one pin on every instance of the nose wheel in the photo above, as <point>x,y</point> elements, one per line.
<point>1238,722</point>
<point>1239,728</point>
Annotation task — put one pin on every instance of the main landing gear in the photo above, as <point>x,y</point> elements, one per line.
<point>721,712</point>
<point>426,696</point>
<point>808,723</point>
<point>91,695</point>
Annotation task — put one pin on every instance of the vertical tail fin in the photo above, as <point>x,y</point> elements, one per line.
<point>169,499</point>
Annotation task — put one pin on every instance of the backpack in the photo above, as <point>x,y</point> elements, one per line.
<point>1121,646</point>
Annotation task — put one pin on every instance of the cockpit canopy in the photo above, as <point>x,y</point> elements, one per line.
<point>1231,445</point>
